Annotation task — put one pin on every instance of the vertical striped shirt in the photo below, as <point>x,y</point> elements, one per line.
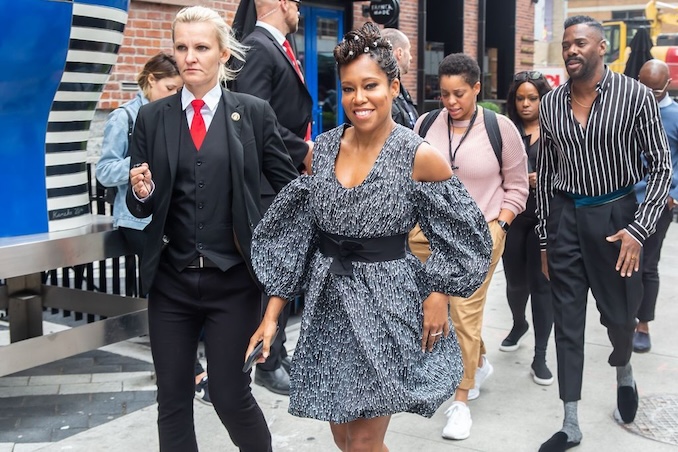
<point>605,156</point>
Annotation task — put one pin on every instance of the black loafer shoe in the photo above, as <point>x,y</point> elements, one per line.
<point>641,342</point>
<point>277,381</point>
<point>627,403</point>
<point>558,443</point>
<point>286,363</point>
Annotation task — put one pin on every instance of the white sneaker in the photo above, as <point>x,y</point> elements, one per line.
<point>458,421</point>
<point>481,375</point>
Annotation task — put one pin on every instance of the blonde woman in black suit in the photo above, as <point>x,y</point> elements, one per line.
<point>196,162</point>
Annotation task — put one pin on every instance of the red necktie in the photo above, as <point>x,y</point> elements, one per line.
<point>198,130</point>
<point>290,54</point>
<point>295,63</point>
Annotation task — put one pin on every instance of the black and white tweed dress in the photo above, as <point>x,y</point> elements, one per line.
<point>359,351</point>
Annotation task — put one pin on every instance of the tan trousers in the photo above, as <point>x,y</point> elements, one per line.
<point>467,313</point>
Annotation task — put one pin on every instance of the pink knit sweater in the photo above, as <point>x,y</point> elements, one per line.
<point>492,188</point>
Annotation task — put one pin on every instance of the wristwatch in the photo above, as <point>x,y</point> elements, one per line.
<point>504,225</point>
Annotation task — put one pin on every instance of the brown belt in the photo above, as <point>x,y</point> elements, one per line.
<point>202,262</point>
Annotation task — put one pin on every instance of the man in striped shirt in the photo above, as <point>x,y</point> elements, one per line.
<point>594,130</point>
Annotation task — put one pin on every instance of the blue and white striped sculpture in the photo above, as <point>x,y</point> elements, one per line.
<point>58,55</point>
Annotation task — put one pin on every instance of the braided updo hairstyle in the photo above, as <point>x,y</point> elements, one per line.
<point>367,40</point>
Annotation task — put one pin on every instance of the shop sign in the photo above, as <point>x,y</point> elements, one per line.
<point>555,75</point>
<point>384,12</point>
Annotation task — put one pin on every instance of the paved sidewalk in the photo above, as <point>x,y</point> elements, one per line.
<point>512,413</point>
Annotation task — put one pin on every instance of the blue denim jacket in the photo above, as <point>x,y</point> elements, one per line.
<point>112,169</point>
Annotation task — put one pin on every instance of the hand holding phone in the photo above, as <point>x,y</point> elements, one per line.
<point>256,353</point>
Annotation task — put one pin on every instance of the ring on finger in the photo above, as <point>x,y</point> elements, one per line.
<point>436,334</point>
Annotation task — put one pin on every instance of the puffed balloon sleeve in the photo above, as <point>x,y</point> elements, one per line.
<point>461,244</point>
<point>284,240</point>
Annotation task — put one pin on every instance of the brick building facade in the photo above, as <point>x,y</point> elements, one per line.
<point>148,31</point>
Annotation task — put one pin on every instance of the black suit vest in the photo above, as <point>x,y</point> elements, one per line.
<point>199,220</point>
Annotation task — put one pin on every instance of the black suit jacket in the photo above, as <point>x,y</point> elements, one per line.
<point>254,146</point>
<point>269,75</point>
<point>404,111</point>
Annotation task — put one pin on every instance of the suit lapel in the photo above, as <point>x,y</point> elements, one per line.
<point>172,124</point>
<point>233,115</point>
<point>282,53</point>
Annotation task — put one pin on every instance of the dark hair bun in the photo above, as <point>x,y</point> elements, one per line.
<point>367,40</point>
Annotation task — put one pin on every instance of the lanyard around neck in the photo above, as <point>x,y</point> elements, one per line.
<point>450,134</point>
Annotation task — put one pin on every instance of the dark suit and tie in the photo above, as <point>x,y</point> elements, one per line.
<point>272,73</point>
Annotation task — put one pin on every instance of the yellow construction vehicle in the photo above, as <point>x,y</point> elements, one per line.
<point>620,33</point>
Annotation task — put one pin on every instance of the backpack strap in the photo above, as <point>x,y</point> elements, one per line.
<point>428,121</point>
<point>111,192</point>
<point>130,127</point>
<point>492,127</point>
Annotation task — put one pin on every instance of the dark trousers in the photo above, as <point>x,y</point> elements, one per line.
<point>135,239</point>
<point>524,278</point>
<point>227,305</point>
<point>650,266</point>
<point>580,259</point>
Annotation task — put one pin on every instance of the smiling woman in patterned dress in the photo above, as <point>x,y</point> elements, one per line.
<point>376,338</point>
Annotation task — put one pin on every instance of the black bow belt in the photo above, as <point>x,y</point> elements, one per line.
<point>346,250</point>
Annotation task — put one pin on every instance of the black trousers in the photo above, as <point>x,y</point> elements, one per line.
<point>227,305</point>
<point>650,266</point>
<point>135,239</point>
<point>524,278</point>
<point>580,259</point>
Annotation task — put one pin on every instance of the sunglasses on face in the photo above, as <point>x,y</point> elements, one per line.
<point>527,75</point>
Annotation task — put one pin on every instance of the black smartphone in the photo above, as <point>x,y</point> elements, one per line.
<point>256,353</point>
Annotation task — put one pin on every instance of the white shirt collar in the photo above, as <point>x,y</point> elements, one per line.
<point>211,98</point>
<point>277,34</point>
<point>666,101</point>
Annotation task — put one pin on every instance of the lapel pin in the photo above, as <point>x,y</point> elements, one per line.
<point>235,116</point>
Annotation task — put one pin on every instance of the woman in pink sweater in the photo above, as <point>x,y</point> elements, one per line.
<point>501,193</point>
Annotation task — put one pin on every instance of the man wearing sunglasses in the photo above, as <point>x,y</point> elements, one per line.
<point>655,75</point>
<point>273,73</point>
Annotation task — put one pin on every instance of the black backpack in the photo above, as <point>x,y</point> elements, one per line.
<point>111,192</point>
<point>491,125</point>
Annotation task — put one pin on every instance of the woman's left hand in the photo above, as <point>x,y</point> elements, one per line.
<point>436,313</point>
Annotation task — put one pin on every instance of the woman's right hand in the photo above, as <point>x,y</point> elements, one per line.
<point>267,328</point>
<point>141,179</point>
<point>265,332</point>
